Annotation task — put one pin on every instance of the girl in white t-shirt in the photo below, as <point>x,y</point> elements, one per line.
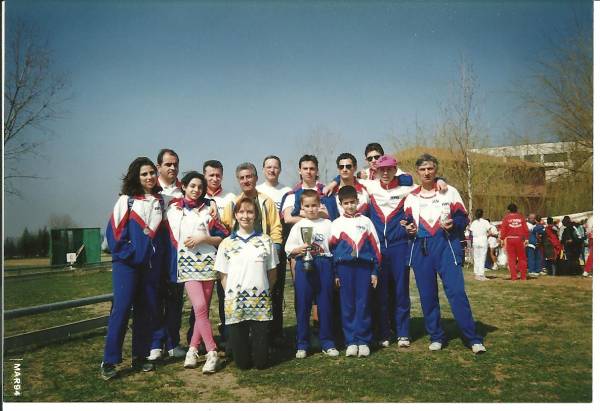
<point>195,236</point>
<point>246,262</point>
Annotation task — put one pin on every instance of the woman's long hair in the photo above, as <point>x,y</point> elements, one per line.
<point>131,181</point>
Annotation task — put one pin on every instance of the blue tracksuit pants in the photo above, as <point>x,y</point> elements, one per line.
<point>392,295</point>
<point>135,287</point>
<point>534,260</point>
<point>307,285</point>
<point>355,285</point>
<point>440,257</point>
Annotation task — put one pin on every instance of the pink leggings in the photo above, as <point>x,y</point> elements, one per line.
<point>199,293</point>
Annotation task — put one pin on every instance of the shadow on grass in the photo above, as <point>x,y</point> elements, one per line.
<point>450,327</point>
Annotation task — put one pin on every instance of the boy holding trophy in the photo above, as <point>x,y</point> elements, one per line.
<point>308,245</point>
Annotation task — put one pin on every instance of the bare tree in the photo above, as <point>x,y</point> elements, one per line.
<point>564,96</point>
<point>33,96</point>
<point>459,131</point>
<point>324,144</point>
<point>61,221</point>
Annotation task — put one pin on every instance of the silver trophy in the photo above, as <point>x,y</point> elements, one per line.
<point>445,214</point>
<point>307,259</point>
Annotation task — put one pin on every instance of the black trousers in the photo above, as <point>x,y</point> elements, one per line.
<point>249,343</point>
<point>277,296</point>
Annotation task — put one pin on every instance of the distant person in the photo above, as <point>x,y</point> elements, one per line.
<point>195,236</point>
<point>534,246</point>
<point>480,230</point>
<point>247,262</point>
<point>137,257</point>
<point>572,245</point>
<point>514,238</point>
<point>493,245</point>
<point>552,247</point>
<point>317,282</point>
<point>439,224</point>
<point>272,188</point>
<point>589,262</point>
<point>357,260</point>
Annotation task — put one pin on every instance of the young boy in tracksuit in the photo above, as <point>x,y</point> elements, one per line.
<point>356,257</point>
<point>314,280</point>
<point>439,221</point>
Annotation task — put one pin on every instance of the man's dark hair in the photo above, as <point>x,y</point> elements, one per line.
<point>512,207</point>
<point>162,153</point>
<point>478,213</point>
<point>308,157</point>
<point>346,156</point>
<point>272,157</point>
<point>426,157</point>
<point>549,221</point>
<point>213,164</point>
<point>374,147</point>
<point>347,192</point>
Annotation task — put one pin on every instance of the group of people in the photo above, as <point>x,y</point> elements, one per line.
<point>352,240</point>
<point>532,248</point>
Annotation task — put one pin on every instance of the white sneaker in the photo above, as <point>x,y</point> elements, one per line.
<point>403,342</point>
<point>331,352</point>
<point>585,274</point>
<point>177,353</point>
<point>363,350</point>
<point>155,354</point>
<point>384,343</point>
<point>435,346</point>
<point>495,266</point>
<point>478,348</point>
<point>352,350</point>
<point>212,361</point>
<point>191,358</point>
<point>301,354</point>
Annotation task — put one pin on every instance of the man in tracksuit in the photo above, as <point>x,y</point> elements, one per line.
<point>534,251</point>
<point>439,223</point>
<point>513,236</point>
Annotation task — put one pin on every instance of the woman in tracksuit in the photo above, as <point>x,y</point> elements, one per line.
<point>137,247</point>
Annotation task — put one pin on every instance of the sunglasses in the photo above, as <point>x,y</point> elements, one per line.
<point>371,158</point>
<point>345,166</point>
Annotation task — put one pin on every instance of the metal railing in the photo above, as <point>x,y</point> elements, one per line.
<point>29,273</point>
<point>58,332</point>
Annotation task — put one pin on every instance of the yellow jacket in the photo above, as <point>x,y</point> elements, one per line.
<point>271,225</point>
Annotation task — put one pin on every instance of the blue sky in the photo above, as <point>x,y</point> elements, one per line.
<point>236,81</point>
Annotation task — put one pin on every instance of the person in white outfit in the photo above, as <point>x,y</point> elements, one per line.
<point>480,229</point>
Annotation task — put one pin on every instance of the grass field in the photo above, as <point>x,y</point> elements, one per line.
<point>538,334</point>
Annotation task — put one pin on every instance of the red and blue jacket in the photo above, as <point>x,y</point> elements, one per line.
<point>353,238</point>
<point>134,233</point>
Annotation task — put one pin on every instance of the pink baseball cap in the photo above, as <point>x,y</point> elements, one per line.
<point>386,161</point>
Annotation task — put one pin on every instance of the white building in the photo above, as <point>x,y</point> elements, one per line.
<point>554,156</point>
